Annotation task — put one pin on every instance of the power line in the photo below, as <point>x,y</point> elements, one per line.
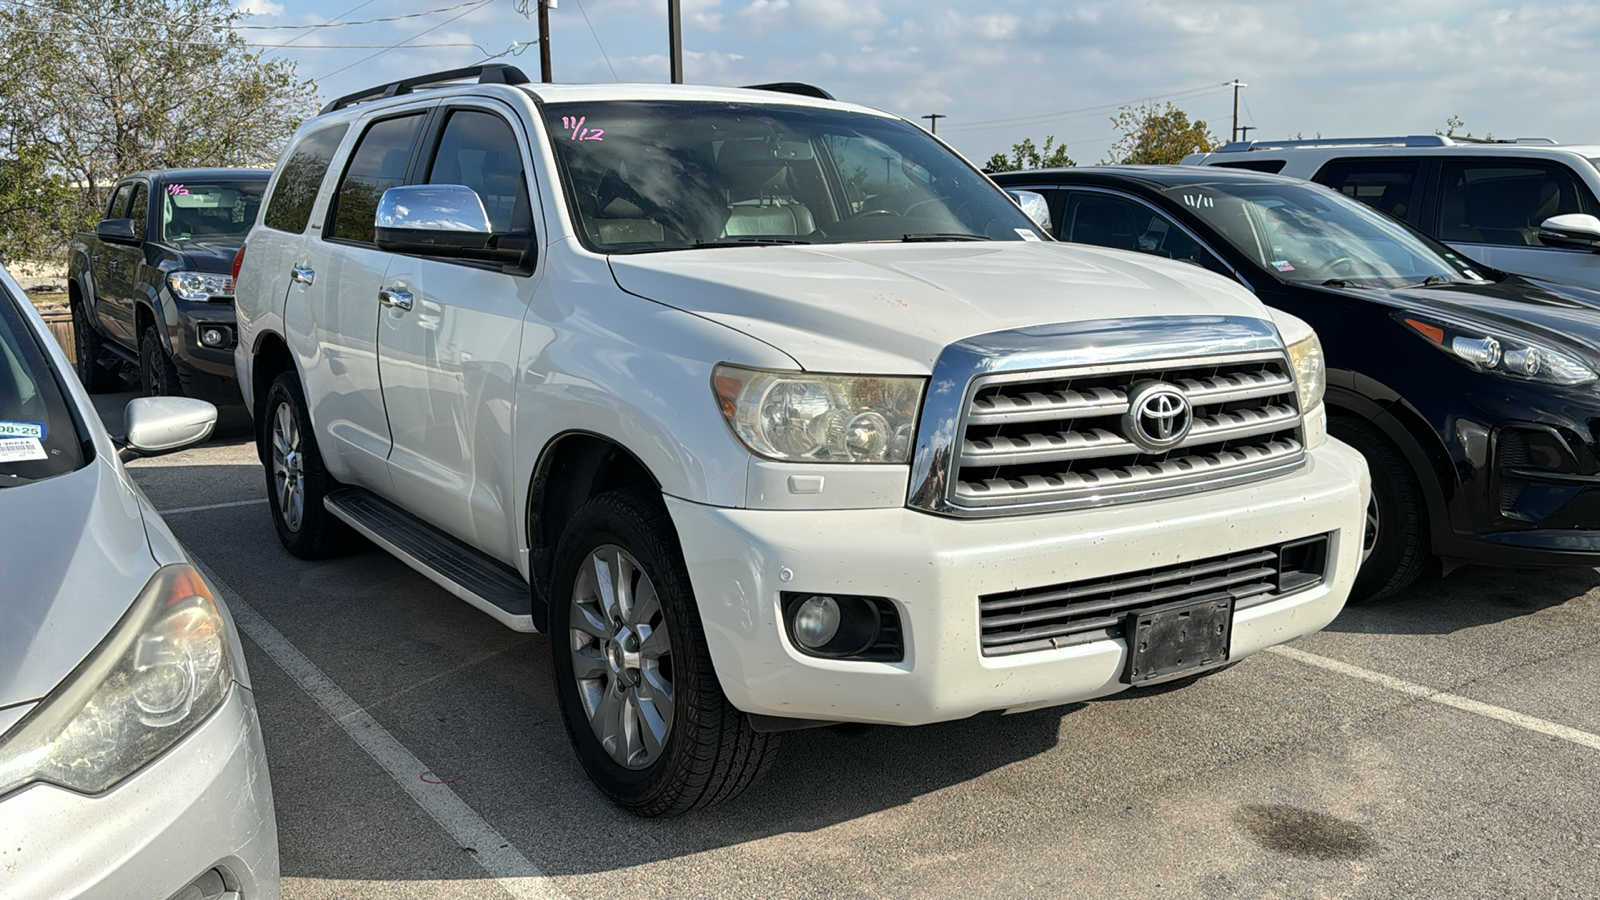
<point>597,42</point>
<point>131,37</point>
<point>358,7</point>
<point>211,23</point>
<point>415,15</point>
<point>406,41</point>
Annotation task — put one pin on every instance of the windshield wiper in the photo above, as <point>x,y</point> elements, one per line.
<point>1432,280</point>
<point>1340,282</point>
<point>942,236</point>
<point>748,241</point>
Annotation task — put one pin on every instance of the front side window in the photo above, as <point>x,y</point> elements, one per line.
<point>139,210</point>
<point>300,179</point>
<point>38,437</point>
<point>671,175</point>
<point>378,163</point>
<point>480,150</point>
<point>1122,223</point>
<point>219,211</point>
<point>1386,185</point>
<point>1309,234</point>
<point>1493,202</point>
<point>118,207</point>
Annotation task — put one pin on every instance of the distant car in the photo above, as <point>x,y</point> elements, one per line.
<point>1526,206</point>
<point>1471,392</point>
<point>152,285</point>
<point>131,762</point>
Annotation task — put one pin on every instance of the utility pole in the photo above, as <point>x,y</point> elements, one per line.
<point>544,39</point>
<point>1244,132</point>
<point>933,121</point>
<point>1236,84</point>
<point>675,38</point>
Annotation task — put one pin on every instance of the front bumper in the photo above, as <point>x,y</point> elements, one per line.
<point>934,570</point>
<point>204,805</point>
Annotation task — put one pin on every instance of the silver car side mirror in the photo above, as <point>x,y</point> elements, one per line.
<point>431,218</point>
<point>1577,231</point>
<point>157,425</point>
<point>1036,206</point>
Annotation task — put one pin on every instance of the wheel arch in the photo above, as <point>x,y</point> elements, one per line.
<point>1409,432</point>
<point>270,358</point>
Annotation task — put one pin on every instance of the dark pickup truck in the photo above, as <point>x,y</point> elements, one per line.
<point>153,285</point>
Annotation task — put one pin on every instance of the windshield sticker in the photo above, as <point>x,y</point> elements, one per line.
<point>177,190</point>
<point>21,449</point>
<point>1199,201</point>
<point>1282,265</point>
<point>22,429</point>
<point>1028,234</point>
<point>574,124</point>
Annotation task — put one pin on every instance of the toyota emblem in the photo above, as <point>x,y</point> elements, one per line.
<point>1158,417</point>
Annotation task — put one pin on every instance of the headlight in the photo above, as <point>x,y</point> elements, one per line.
<point>1502,355</point>
<point>1310,372</point>
<point>800,417</point>
<point>161,671</point>
<point>199,285</point>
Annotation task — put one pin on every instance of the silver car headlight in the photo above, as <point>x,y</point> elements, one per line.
<point>1502,354</point>
<point>800,417</point>
<point>1310,371</point>
<point>163,669</point>
<point>199,285</point>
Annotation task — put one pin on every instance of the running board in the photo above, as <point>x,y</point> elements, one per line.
<point>491,586</point>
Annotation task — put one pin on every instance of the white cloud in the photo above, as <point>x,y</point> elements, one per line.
<point>258,7</point>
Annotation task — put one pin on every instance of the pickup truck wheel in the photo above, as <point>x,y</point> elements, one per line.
<point>97,369</point>
<point>297,482</point>
<point>158,375</point>
<point>638,693</point>
<point>1394,536</point>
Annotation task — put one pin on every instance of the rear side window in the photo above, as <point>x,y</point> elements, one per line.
<point>301,178</point>
<point>481,151</point>
<point>1494,202</point>
<point>1269,166</point>
<point>378,163</point>
<point>1386,185</point>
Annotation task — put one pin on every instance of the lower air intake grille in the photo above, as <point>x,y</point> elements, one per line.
<point>1078,612</point>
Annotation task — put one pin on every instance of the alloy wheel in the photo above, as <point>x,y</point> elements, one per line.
<point>288,467</point>
<point>1369,538</point>
<point>621,657</point>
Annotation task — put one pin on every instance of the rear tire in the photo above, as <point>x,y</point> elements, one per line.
<point>158,374</point>
<point>297,481</point>
<point>1395,543</point>
<point>99,371</point>
<point>638,694</point>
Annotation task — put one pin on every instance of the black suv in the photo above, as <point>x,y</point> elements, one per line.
<point>1471,392</point>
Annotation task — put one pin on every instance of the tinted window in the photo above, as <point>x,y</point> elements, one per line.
<point>301,178</point>
<point>139,210</point>
<point>1493,202</point>
<point>210,210</point>
<point>38,438</point>
<point>1386,185</point>
<point>118,206</point>
<point>1106,220</point>
<point>1270,166</point>
<point>378,163</point>
<point>480,151</point>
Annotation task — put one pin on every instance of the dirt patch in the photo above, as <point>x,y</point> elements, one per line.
<point>1303,833</point>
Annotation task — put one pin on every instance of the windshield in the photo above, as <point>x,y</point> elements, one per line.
<point>38,437</point>
<point>1306,233</point>
<point>210,210</point>
<point>644,176</point>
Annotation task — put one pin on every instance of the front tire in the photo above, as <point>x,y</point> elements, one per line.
<point>638,694</point>
<point>297,481</point>
<point>1394,545</point>
<point>158,374</point>
<point>99,371</point>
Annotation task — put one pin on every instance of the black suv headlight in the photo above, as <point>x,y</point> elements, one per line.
<point>1487,351</point>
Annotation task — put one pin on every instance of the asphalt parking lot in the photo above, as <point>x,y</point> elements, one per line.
<point>1446,744</point>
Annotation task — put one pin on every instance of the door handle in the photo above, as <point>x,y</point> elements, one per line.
<point>302,274</point>
<point>400,300</point>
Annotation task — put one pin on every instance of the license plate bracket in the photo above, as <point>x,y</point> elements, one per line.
<point>1178,638</point>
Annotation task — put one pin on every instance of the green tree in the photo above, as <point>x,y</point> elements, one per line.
<point>31,201</point>
<point>1027,156</point>
<point>93,89</point>
<point>1154,135</point>
<point>1454,122</point>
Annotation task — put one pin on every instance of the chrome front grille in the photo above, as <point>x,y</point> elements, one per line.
<point>1063,438</point>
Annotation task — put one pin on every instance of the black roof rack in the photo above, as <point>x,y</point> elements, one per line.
<point>495,73</point>
<point>793,87</point>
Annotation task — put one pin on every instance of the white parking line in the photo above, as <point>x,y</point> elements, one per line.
<point>190,509</point>
<point>1456,701</point>
<point>503,862</point>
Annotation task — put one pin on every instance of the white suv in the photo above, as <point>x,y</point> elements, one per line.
<point>774,412</point>
<point>1526,206</point>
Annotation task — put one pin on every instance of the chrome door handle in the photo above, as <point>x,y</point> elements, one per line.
<point>303,274</point>
<point>400,300</point>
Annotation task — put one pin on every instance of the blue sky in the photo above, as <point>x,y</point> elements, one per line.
<point>1002,70</point>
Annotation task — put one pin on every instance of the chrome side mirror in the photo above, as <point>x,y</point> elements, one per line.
<point>439,219</point>
<point>1037,208</point>
<point>1576,231</point>
<point>157,425</point>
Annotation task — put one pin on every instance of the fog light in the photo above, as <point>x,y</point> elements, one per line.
<point>213,337</point>
<point>816,622</point>
<point>839,626</point>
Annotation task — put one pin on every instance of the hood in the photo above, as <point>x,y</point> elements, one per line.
<point>1562,313</point>
<point>75,556</point>
<point>209,256</point>
<point>892,308</point>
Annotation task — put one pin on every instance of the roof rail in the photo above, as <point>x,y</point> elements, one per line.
<point>793,87</point>
<point>495,73</point>
<point>1415,140</point>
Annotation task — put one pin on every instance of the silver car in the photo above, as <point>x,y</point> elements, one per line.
<point>131,762</point>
